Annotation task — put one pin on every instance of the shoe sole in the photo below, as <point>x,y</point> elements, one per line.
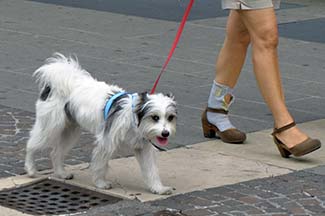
<point>213,134</point>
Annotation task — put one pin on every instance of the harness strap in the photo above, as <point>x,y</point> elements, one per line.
<point>217,110</point>
<point>110,102</point>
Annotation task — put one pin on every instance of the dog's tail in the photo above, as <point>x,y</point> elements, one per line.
<point>60,74</point>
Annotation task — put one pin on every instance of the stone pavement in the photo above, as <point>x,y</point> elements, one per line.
<point>270,196</point>
<point>127,46</point>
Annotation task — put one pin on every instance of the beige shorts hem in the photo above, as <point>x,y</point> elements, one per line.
<point>250,4</point>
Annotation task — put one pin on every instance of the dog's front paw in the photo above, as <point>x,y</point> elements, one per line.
<point>32,174</point>
<point>64,175</point>
<point>102,184</point>
<point>31,171</point>
<point>162,190</point>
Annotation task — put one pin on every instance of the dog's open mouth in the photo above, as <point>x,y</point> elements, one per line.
<point>163,141</point>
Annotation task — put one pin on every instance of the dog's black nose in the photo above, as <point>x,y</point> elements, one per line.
<point>165,133</point>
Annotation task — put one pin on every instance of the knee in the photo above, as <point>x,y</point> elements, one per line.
<point>241,38</point>
<point>267,38</point>
<point>244,38</point>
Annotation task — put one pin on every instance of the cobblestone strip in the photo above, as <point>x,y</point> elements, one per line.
<point>15,126</point>
<point>295,194</point>
<point>14,131</point>
<point>299,193</point>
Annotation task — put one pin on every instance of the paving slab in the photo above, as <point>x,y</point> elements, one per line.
<point>260,147</point>
<point>214,170</point>
<point>11,212</point>
<point>167,10</point>
<point>227,164</point>
<point>313,30</point>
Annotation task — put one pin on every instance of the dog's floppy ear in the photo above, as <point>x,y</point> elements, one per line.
<point>170,95</point>
<point>144,96</point>
<point>140,109</point>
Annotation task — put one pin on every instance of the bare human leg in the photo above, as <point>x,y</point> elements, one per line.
<point>233,53</point>
<point>262,28</point>
<point>228,66</point>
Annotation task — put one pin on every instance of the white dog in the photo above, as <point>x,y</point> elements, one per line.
<point>72,99</point>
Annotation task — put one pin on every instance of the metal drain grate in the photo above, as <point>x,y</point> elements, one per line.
<point>50,197</point>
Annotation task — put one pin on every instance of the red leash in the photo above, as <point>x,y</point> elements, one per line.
<point>178,36</point>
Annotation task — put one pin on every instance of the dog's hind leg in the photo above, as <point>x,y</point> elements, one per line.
<point>37,142</point>
<point>48,126</point>
<point>147,160</point>
<point>67,140</point>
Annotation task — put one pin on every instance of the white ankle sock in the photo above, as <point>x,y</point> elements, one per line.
<point>217,100</point>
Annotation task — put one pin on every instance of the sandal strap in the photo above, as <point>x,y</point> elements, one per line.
<point>214,110</point>
<point>281,129</point>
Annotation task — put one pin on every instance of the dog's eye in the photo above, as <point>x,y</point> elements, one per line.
<point>155,118</point>
<point>171,118</point>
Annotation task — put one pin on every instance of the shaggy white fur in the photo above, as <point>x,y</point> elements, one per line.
<point>72,99</point>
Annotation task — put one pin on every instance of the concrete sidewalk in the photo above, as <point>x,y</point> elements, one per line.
<point>127,46</point>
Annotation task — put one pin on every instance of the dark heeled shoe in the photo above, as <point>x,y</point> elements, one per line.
<point>232,135</point>
<point>303,148</point>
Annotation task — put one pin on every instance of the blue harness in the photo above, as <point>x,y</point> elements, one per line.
<point>110,102</point>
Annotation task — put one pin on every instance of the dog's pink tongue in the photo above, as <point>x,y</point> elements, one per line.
<point>162,141</point>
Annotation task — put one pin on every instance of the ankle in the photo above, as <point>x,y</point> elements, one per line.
<point>283,122</point>
<point>221,96</point>
<point>292,136</point>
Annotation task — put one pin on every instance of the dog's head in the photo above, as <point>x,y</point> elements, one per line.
<point>156,115</point>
